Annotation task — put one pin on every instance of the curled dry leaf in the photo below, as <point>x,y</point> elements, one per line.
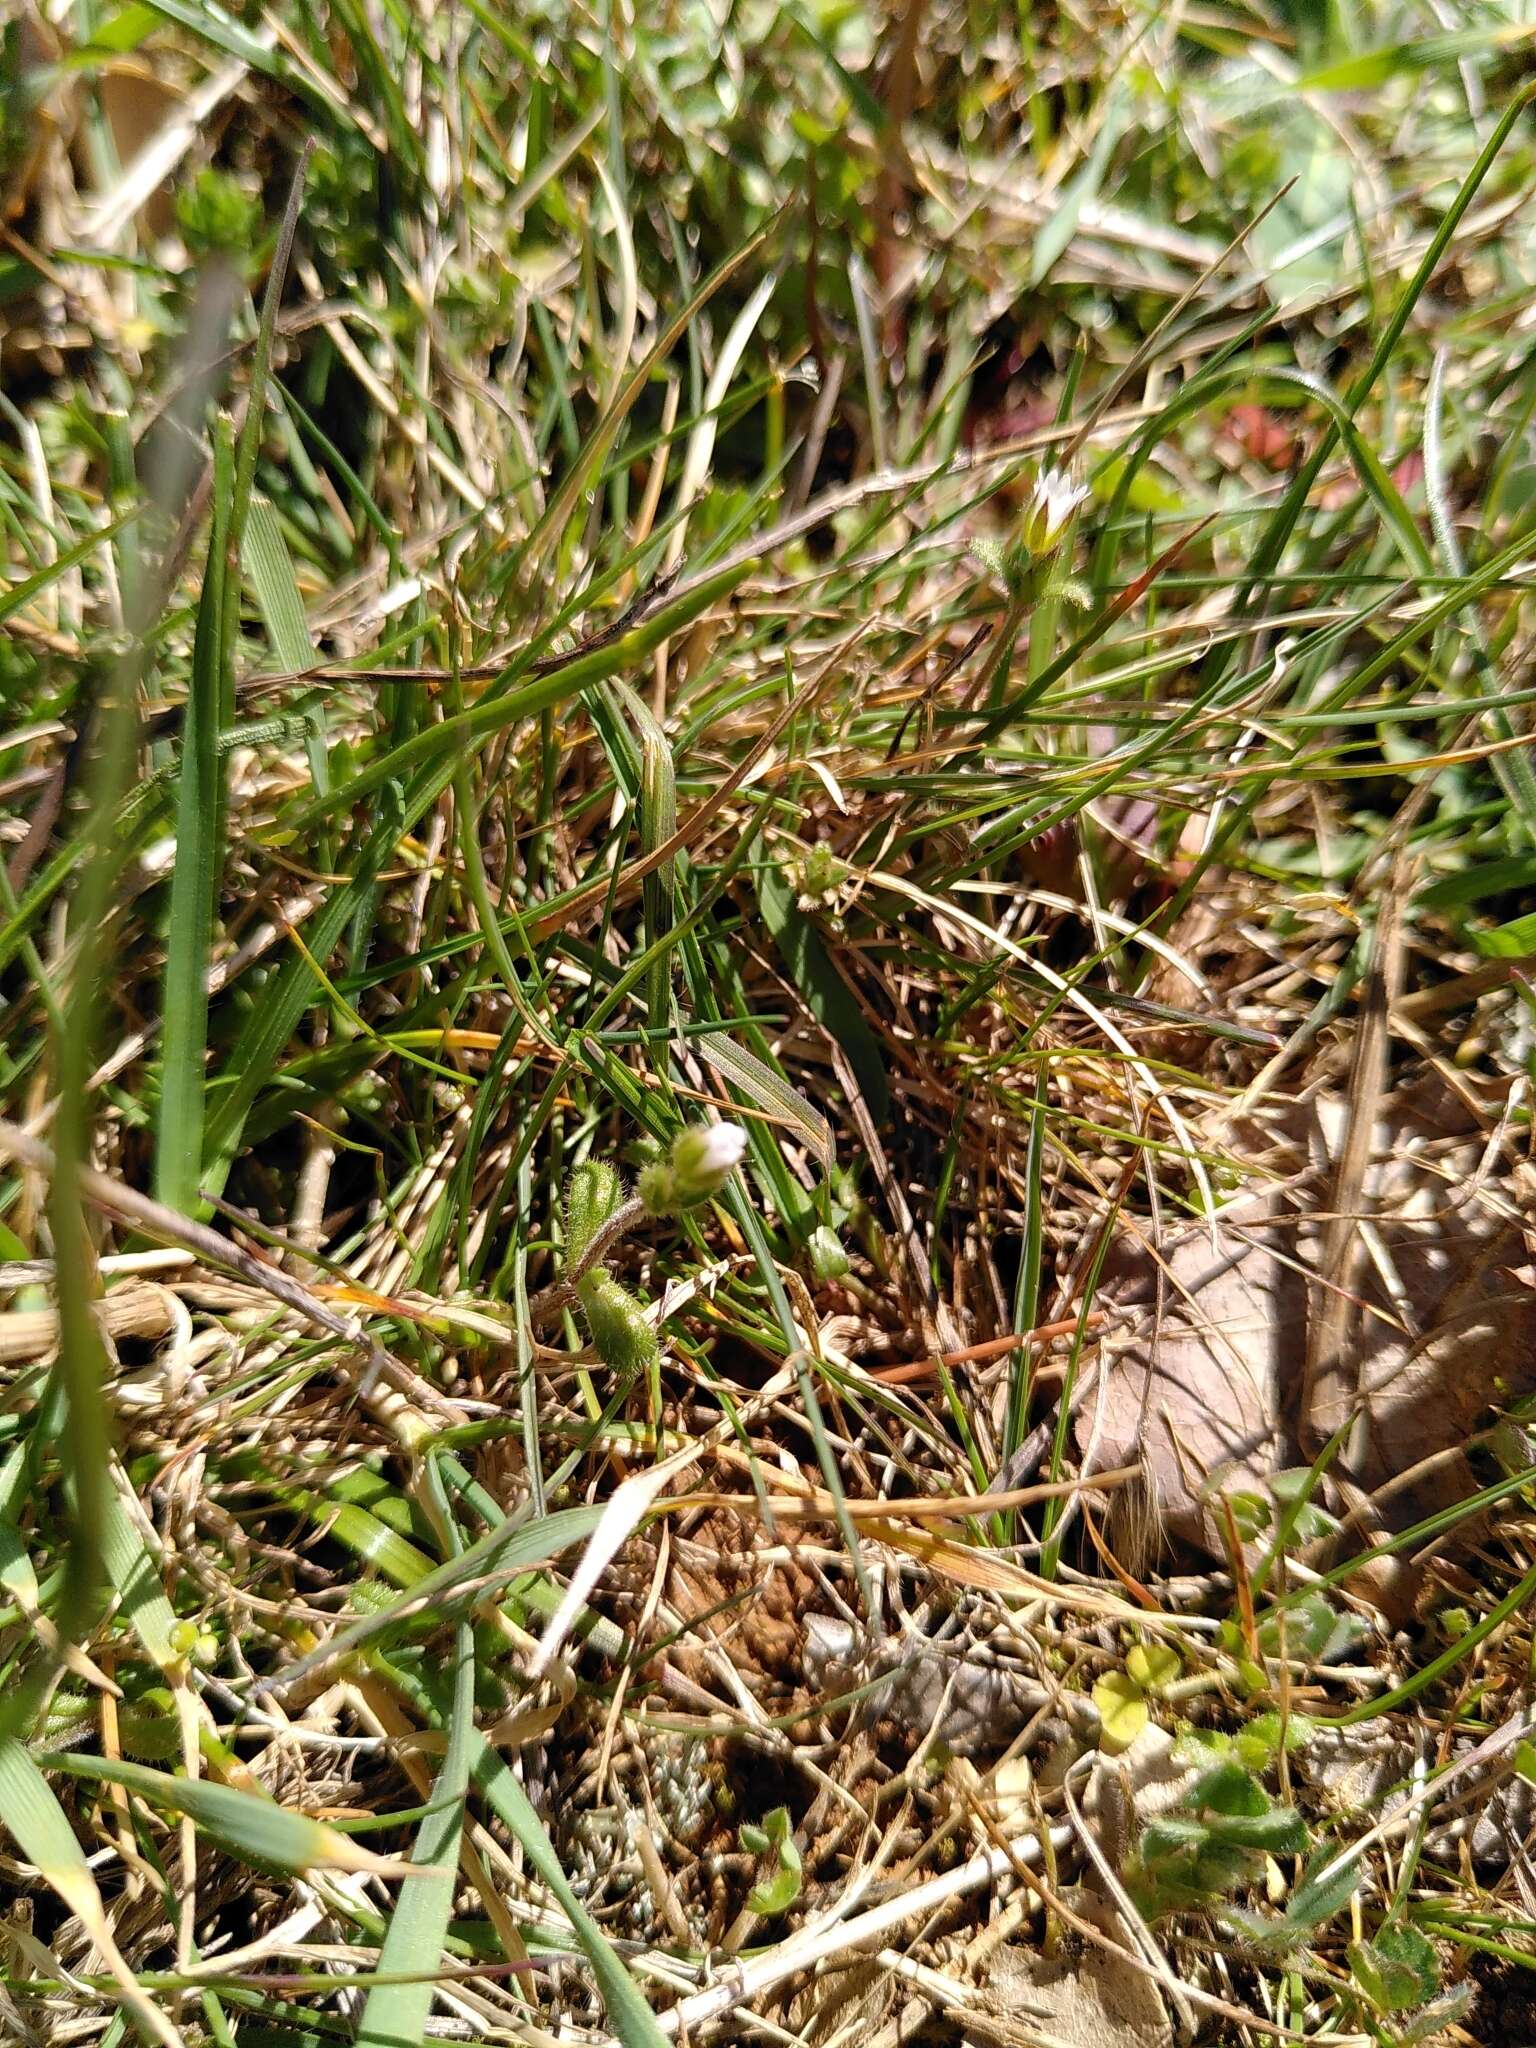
<point>1208,1390</point>
<point>1362,1770</point>
<point>1197,1391</point>
<point>930,1689</point>
<point>1445,1325</point>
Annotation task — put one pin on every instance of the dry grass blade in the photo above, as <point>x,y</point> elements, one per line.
<point>1330,1389</point>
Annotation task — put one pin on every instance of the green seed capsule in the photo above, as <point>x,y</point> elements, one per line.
<point>828,1259</point>
<point>621,1336</point>
<point>592,1194</point>
<point>371,1596</point>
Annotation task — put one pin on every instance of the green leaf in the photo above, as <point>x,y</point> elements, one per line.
<point>425,765</point>
<point>823,989</point>
<point>200,819</point>
<point>359,1530</point>
<point>564,500</point>
<point>1369,70</point>
<point>1512,941</point>
<point>17,1577</point>
<point>13,1483</point>
<point>270,569</point>
<point>195,876</point>
<point>658,825</point>
<point>828,1259</point>
<point>628,2013</point>
<point>1473,884</point>
<point>1250,1511</point>
<point>1307,1627</point>
<point>1259,1741</point>
<point>43,1833</point>
<point>136,1581</point>
<point>17,596</point>
<point>276,588</point>
<point>1123,1711</point>
<point>118,33</point>
<point>40,1828</point>
<point>1146,491</point>
<point>778,1888</point>
<point>1435,2020</point>
<point>1059,228</point>
<point>1397,1970</point>
<point>510,1548</point>
<point>1319,1896</point>
<point>1279,1832</point>
<point>413,1943</point>
<point>1170,1836</point>
<point>1196,1748</point>
<point>771,1092</point>
<point>1229,1789</point>
<point>1153,1666</point>
<point>1218,1868</point>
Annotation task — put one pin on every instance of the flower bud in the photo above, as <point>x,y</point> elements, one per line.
<point>703,1159</point>
<point>820,873</point>
<point>828,1259</point>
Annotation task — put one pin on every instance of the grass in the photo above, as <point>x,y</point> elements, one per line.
<point>512,648</point>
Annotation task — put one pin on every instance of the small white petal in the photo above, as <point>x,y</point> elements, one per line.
<point>724,1148</point>
<point>1060,498</point>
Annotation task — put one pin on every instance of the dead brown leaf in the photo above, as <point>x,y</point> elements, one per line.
<point>1090,2000</point>
<point>1437,1329</point>
<point>1197,1394</point>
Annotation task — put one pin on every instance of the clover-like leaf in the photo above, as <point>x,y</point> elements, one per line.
<point>1279,1832</point>
<point>1171,1836</point>
<point>1123,1711</point>
<point>1260,1741</point>
<point>1153,1666</point>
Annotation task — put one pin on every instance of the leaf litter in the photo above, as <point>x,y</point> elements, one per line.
<point>1210,1392</point>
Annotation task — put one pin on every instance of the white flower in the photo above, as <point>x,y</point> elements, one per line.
<point>703,1159</point>
<point>708,1152</point>
<point>1051,504</point>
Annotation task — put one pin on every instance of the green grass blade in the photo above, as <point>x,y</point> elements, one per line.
<point>200,809</point>
<point>38,1824</point>
<point>628,2013</point>
<point>276,588</point>
<point>564,501</point>
<point>194,881</point>
<point>256,1830</point>
<point>17,596</point>
<point>504,1551</point>
<point>413,1944</point>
